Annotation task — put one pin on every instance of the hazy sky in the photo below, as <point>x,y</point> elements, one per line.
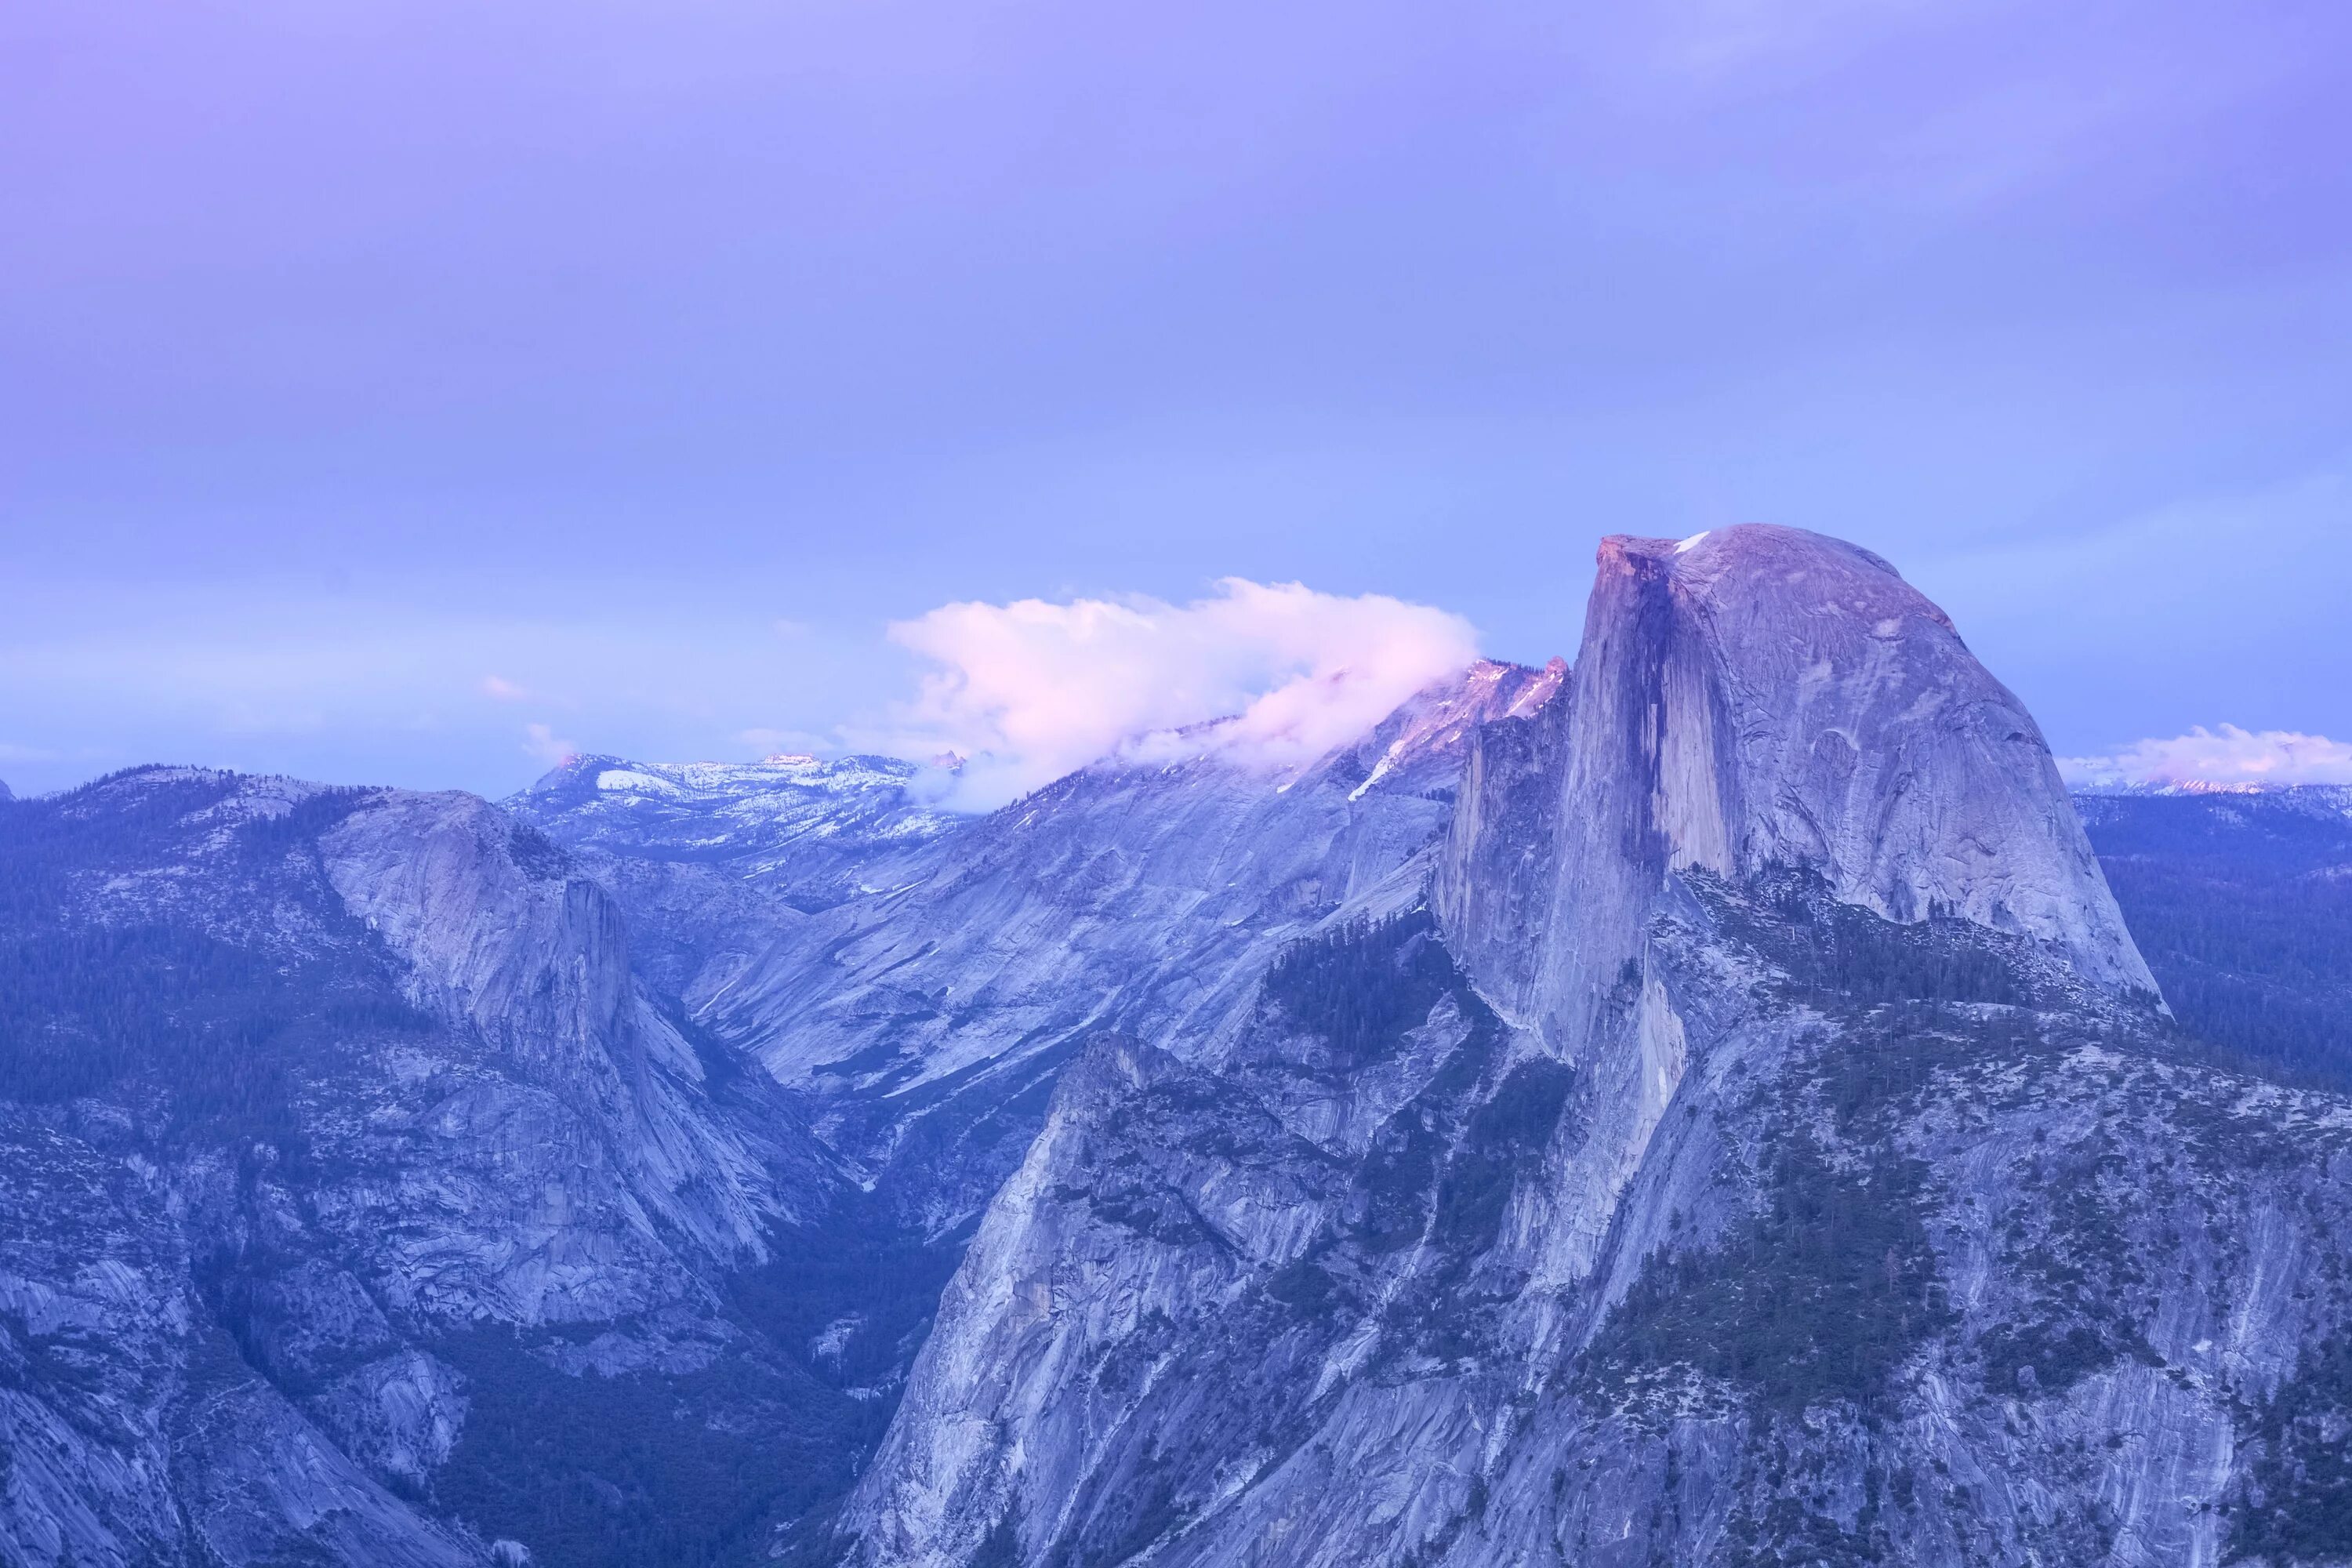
<point>407,391</point>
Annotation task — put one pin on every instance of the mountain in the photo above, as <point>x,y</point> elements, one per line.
<point>442,1164</point>
<point>808,830</point>
<point>1765,1144</point>
<point>363,1204</point>
<point>926,1024</point>
<point>1712,1103</point>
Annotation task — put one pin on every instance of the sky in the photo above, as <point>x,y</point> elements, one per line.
<point>416,393</point>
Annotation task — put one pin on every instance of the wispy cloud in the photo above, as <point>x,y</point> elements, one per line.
<point>1030,691</point>
<point>501,688</point>
<point>2227,755</point>
<point>540,741</point>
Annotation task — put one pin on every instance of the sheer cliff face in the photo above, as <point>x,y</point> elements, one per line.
<point>1756,698</point>
<point>1764,1141</point>
<point>1815,711</point>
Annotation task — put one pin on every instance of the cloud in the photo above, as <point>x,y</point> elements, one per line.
<point>2229,756</point>
<point>503,689</point>
<point>1029,691</point>
<point>540,741</point>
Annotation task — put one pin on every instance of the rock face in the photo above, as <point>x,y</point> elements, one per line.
<point>1764,1145</point>
<point>926,1024</point>
<point>1760,698</point>
<point>343,1149</point>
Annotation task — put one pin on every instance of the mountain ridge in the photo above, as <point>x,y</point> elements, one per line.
<point>1345,1367</point>
<point>1590,1115</point>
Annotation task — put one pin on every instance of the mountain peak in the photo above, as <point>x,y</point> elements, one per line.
<point>1433,728</point>
<point>1760,698</point>
<point>1751,545</point>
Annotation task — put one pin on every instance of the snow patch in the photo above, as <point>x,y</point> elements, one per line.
<point>630,781</point>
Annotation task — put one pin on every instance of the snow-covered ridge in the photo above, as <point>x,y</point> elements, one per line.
<point>1434,723</point>
<point>2337,797</point>
<point>1439,723</point>
<point>784,770</point>
<point>797,824</point>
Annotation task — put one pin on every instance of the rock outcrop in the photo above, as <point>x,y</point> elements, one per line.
<point>1754,698</point>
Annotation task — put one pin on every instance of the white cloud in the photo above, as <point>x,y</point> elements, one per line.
<point>1029,691</point>
<point>540,741</point>
<point>2226,756</point>
<point>504,690</point>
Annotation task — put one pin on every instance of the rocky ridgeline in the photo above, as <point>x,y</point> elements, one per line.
<point>1701,1105</point>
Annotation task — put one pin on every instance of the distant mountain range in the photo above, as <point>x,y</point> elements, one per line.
<point>1720,1101</point>
<point>808,830</point>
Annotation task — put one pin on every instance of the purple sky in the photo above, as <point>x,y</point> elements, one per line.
<point>378,381</point>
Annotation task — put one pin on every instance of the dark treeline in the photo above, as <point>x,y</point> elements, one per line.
<point>2243,907</point>
<point>99,990</point>
<point>1819,1295</point>
<point>1364,984</point>
<point>1843,952</point>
